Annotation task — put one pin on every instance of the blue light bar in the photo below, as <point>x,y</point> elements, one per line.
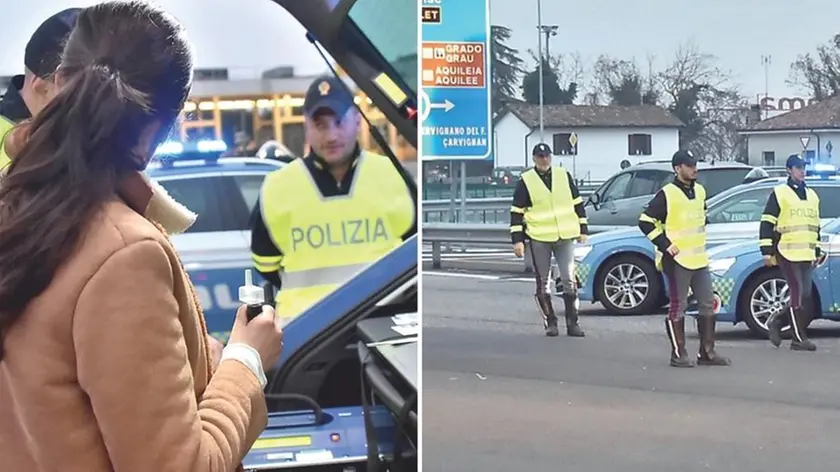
<point>189,150</point>
<point>169,147</point>
<point>821,168</point>
<point>211,146</point>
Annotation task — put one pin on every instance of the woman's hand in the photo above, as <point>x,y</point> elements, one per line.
<point>263,333</point>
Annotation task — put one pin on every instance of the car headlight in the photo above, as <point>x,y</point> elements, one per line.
<point>581,251</point>
<point>720,266</point>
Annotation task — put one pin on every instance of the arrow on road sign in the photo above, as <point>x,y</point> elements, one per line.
<point>446,105</point>
<point>805,140</point>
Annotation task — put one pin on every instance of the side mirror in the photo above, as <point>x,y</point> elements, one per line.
<point>594,199</point>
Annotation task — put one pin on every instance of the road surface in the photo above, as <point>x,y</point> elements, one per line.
<point>499,396</point>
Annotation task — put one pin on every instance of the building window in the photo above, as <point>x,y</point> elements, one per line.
<point>769,158</point>
<point>563,144</point>
<point>639,145</point>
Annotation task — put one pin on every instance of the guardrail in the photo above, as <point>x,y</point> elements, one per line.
<point>477,210</point>
<point>498,234</point>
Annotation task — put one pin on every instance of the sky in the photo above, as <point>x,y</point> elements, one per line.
<point>250,36</point>
<point>738,32</point>
<point>246,35</point>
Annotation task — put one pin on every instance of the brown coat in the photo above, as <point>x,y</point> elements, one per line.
<point>108,369</point>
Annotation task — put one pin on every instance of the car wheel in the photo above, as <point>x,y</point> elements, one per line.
<point>629,285</point>
<point>762,296</point>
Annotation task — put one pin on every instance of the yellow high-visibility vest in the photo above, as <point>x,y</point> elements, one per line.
<point>325,241</point>
<point>5,127</point>
<point>685,226</point>
<point>798,223</point>
<point>551,216</point>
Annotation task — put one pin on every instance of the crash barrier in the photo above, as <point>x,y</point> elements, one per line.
<point>471,235</point>
<point>478,210</point>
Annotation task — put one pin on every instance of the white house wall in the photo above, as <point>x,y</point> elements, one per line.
<point>600,150</point>
<point>786,143</point>
<point>509,146</point>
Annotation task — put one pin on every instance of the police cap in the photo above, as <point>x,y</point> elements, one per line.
<point>795,161</point>
<point>45,47</point>
<point>542,149</point>
<point>327,93</point>
<point>683,158</point>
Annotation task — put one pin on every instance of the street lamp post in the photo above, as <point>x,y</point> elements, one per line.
<point>540,70</point>
<point>548,31</point>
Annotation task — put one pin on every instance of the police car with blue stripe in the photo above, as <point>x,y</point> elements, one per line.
<point>215,251</point>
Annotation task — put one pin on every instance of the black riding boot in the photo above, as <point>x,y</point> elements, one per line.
<point>799,321</point>
<point>547,312</point>
<point>573,329</point>
<point>775,323</point>
<point>676,334</point>
<point>707,355</point>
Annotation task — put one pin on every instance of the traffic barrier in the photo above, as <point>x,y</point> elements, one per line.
<point>498,234</point>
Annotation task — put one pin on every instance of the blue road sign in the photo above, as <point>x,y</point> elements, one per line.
<point>455,113</point>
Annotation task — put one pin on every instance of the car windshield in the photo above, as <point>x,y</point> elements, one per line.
<point>391,26</point>
<point>716,181</point>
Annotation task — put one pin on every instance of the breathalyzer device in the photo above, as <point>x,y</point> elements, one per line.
<point>255,297</point>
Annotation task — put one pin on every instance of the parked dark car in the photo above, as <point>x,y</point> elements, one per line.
<point>621,199</point>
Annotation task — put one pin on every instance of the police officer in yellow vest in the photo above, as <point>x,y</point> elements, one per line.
<point>675,221</point>
<point>548,210</point>
<point>789,236</point>
<point>323,218</point>
<point>30,92</point>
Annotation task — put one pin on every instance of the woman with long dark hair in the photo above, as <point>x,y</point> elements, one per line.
<point>104,359</point>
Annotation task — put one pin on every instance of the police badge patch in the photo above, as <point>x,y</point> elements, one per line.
<point>324,88</point>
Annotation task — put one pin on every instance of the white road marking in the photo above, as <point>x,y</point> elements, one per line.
<point>463,275</point>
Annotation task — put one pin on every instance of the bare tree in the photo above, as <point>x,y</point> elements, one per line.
<point>569,69</point>
<point>702,95</point>
<point>819,74</point>
<point>620,82</point>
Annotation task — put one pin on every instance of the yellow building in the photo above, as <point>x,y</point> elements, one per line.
<point>267,108</point>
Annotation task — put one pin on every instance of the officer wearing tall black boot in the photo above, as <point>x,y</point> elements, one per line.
<point>548,209</point>
<point>675,220</point>
<point>789,236</point>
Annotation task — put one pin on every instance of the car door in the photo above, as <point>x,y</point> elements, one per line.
<point>603,209</point>
<point>319,357</point>
<point>643,186</point>
<point>214,250</point>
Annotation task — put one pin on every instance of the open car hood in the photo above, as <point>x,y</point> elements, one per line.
<point>329,21</point>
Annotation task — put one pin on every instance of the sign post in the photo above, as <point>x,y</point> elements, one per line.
<point>455,83</point>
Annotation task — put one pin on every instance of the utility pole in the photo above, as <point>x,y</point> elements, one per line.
<point>540,69</point>
<point>548,31</point>
<point>765,61</point>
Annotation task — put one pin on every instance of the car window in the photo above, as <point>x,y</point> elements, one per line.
<point>718,180</point>
<point>201,196</point>
<point>617,189</point>
<point>645,183</point>
<point>740,207</point>
<point>829,196</point>
<point>249,187</point>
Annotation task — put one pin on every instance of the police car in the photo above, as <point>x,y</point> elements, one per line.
<point>616,268</point>
<point>216,250</point>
